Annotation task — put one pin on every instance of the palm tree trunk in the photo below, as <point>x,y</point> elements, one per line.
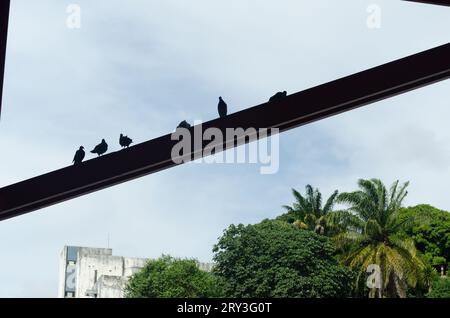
<point>400,287</point>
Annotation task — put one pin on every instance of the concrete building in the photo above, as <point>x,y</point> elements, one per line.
<point>86,272</point>
<point>94,272</point>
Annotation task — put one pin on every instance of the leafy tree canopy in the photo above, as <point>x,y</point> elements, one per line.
<point>430,230</point>
<point>441,288</point>
<point>276,259</point>
<point>169,277</point>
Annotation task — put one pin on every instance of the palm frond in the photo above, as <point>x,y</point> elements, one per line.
<point>393,192</point>
<point>345,220</point>
<point>309,193</point>
<point>401,194</point>
<point>370,190</point>
<point>287,208</point>
<point>330,202</point>
<point>317,203</point>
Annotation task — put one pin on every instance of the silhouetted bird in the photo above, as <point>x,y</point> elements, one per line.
<point>79,156</point>
<point>101,148</point>
<point>124,141</point>
<point>184,124</point>
<point>278,96</point>
<point>222,107</point>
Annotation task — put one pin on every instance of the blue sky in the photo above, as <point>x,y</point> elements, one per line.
<point>141,67</point>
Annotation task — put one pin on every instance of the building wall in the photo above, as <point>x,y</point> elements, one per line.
<point>91,267</point>
<point>94,272</point>
<point>207,267</point>
<point>111,286</point>
<point>90,272</point>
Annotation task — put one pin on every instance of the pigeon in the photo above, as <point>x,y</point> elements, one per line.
<point>278,96</point>
<point>184,124</point>
<point>101,148</point>
<point>79,156</point>
<point>222,107</point>
<point>125,141</point>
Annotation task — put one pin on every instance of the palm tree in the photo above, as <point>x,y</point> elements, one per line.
<point>429,274</point>
<point>307,211</point>
<point>374,238</point>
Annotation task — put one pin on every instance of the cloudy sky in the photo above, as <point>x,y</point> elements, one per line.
<point>140,67</point>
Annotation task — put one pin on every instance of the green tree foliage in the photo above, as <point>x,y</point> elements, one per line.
<point>276,259</point>
<point>430,230</point>
<point>307,212</point>
<point>429,274</point>
<point>440,289</point>
<point>374,238</point>
<point>169,277</point>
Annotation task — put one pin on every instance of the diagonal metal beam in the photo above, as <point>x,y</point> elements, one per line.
<point>4,18</point>
<point>437,2</point>
<point>298,109</point>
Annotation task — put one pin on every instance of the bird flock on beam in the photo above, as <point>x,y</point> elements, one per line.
<point>125,141</point>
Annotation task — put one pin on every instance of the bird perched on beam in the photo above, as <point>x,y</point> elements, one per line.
<point>184,124</point>
<point>101,148</point>
<point>79,156</point>
<point>222,108</point>
<point>125,141</point>
<point>278,96</point>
